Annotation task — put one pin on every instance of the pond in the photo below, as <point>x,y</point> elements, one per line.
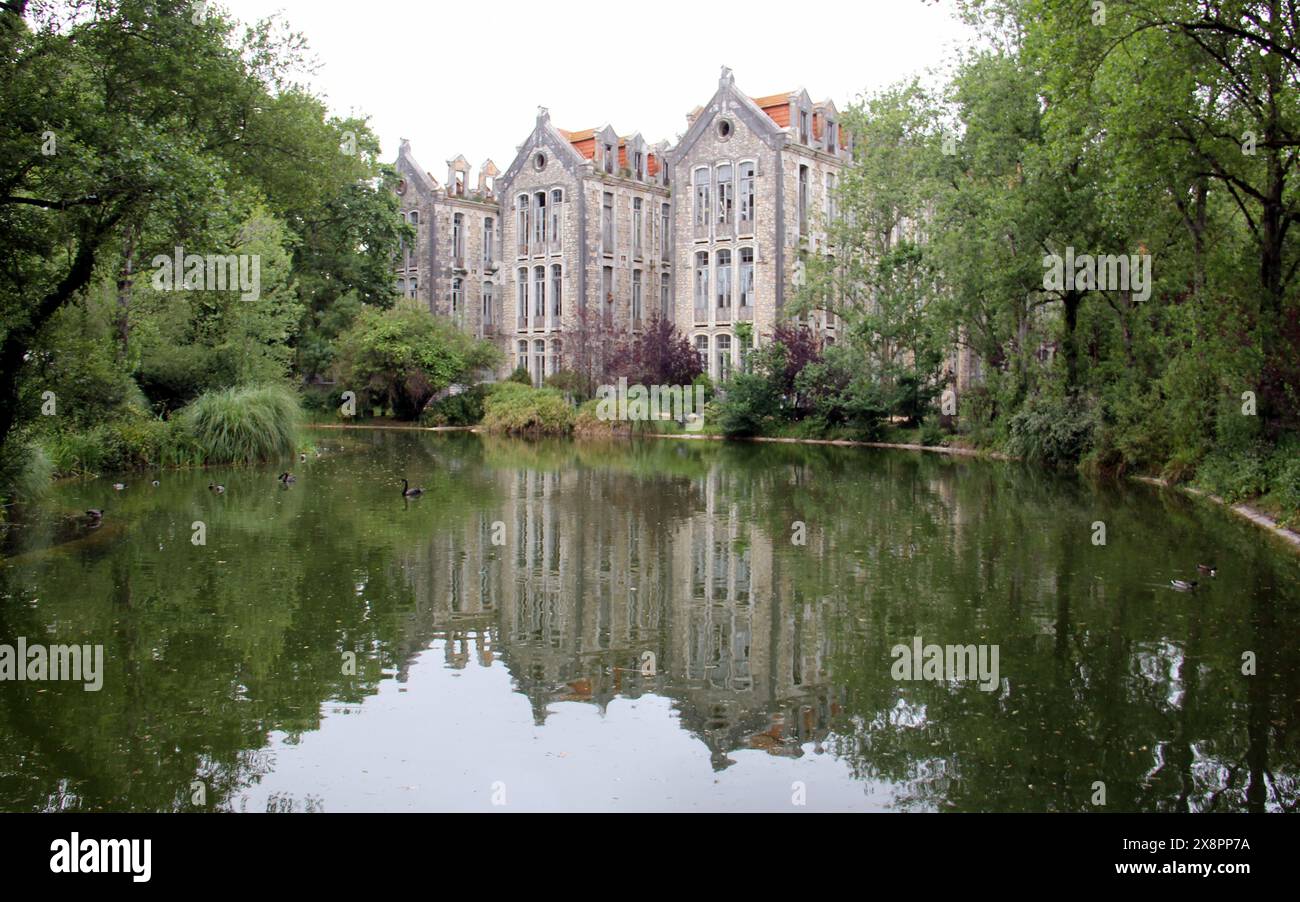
<point>655,625</point>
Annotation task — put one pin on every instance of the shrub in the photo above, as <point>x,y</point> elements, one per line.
<point>931,434</point>
<point>516,409</point>
<point>749,406</point>
<point>521,376</point>
<point>244,425</point>
<point>1057,432</point>
<point>463,409</point>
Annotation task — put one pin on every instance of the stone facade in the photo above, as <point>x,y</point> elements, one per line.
<point>453,267</point>
<point>596,233</point>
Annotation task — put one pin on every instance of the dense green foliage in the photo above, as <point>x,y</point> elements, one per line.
<point>401,358</point>
<point>515,409</point>
<point>135,130</point>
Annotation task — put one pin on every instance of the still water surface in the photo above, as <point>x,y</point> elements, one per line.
<point>503,625</point>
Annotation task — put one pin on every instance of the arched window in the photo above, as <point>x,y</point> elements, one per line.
<point>702,348</point>
<point>412,287</point>
<point>415,217</point>
<point>746,199</point>
<point>557,356</point>
<point>724,357</point>
<point>401,287</point>
<point>557,198</point>
<point>539,296</point>
<point>489,304</point>
<point>489,240</point>
<point>458,238</point>
<point>521,298</point>
<point>702,286</point>
<point>457,298</point>
<point>557,294</point>
<point>701,182</point>
<point>726,198</point>
<point>724,283</point>
<point>521,224</point>
<point>746,282</point>
<point>539,361</point>
<point>521,357</point>
<point>539,223</point>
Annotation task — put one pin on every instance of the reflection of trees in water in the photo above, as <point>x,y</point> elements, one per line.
<point>680,550</point>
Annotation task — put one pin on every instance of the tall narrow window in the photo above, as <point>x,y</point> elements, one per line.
<point>521,224</point>
<point>457,298</point>
<point>638,229</point>
<point>609,159</point>
<point>747,197</point>
<point>803,127</point>
<point>638,165</point>
<point>539,223</point>
<point>803,200</point>
<point>521,356</point>
<point>666,228</point>
<point>557,198</point>
<point>539,296</point>
<point>832,138</point>
<point>702,348</point>
<point>746,282</point>
<point>607,224</point>
<point>726,199</point>
<point>521,298</point>
<point>413,287</point>
<point>724,284</point>
<point>557,294</point>
<point>701,202</point>
<point>702,286</point>
<point>539,362</point>
<point>724,357</point>
<point>489,240</point>
<point>665,299</point>
<point>489,305</point>
<point>458,238</point>
<point>636,299</point>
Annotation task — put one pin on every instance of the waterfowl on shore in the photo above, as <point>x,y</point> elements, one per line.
<point>119,486</point>
<point>1206,568</point>
<point>287,478</point>
<point>409,492</point>
<point>94,515</point>
<point>1183,586</point>
<point>302,458</point>
<point>156,483</point>
<point>218,489</point>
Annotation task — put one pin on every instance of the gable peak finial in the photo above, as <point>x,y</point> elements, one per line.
<point>543,114</point>
<point>727,77</point>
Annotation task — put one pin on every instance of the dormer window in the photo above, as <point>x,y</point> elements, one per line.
<point>832,137</point>
<point>803,126</point>
<point>609,159</point>
<point>638,165</point>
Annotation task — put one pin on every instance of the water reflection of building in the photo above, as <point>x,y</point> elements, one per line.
<point>597,570</point>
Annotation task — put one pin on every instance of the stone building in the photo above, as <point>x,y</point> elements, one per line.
<point>756,183</point>
<point>453,265</point>
<point>589,234</point>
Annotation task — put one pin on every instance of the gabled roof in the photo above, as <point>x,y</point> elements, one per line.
<point>544,135</point>
<point>412,171</point>
<point>729,99</point>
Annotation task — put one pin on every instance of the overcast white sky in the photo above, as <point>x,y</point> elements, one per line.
<point>468,77</point>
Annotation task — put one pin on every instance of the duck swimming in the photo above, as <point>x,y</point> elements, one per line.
<point>409,492</point>
<point>119,486</point>
<point>1183,585</point>
<point>287,479</point>
<point>218,489</point>
<point>1206,568</point>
